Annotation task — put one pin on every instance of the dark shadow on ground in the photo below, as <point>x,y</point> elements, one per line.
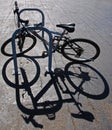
<point>58,79</point>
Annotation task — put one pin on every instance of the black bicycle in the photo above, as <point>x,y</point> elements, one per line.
<point>78,49</point>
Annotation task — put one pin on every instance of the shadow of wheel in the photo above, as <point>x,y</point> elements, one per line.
<point>30,66</point>
<point>87,80</point>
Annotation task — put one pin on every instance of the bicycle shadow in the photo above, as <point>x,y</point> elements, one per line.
<point>63,83</point>
<point>86,73</point>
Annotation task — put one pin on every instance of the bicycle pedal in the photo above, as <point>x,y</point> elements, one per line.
<point>44,53</point>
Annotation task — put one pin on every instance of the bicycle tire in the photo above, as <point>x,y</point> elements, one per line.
<point>69,53</point>
<point>8,42</point>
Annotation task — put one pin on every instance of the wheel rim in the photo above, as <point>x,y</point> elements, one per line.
<point>88,50</point>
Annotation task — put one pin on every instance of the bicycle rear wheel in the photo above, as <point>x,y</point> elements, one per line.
<point>81,50</point>
<point>29,43</point>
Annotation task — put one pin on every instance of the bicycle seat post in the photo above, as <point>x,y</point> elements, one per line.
<point>61,36</point>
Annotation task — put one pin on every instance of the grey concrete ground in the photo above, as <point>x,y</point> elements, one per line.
<point>52,103</point>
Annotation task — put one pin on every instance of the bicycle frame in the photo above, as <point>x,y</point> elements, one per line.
<point>21,21</point>
<point>59,36</point>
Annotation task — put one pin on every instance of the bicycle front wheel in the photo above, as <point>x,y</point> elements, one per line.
<point>28,43</point>
<point>81,50</point>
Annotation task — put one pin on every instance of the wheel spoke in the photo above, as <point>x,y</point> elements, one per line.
<point>82,50</point>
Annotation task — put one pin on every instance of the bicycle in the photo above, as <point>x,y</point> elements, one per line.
<point>78,49</point>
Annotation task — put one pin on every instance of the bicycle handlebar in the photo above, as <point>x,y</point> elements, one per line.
<point>16,4</point>
<point>16,11</point>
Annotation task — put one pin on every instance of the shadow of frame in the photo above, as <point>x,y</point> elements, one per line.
<point>49,108</point>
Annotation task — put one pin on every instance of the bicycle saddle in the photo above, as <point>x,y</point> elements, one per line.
<point>69,27</point>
